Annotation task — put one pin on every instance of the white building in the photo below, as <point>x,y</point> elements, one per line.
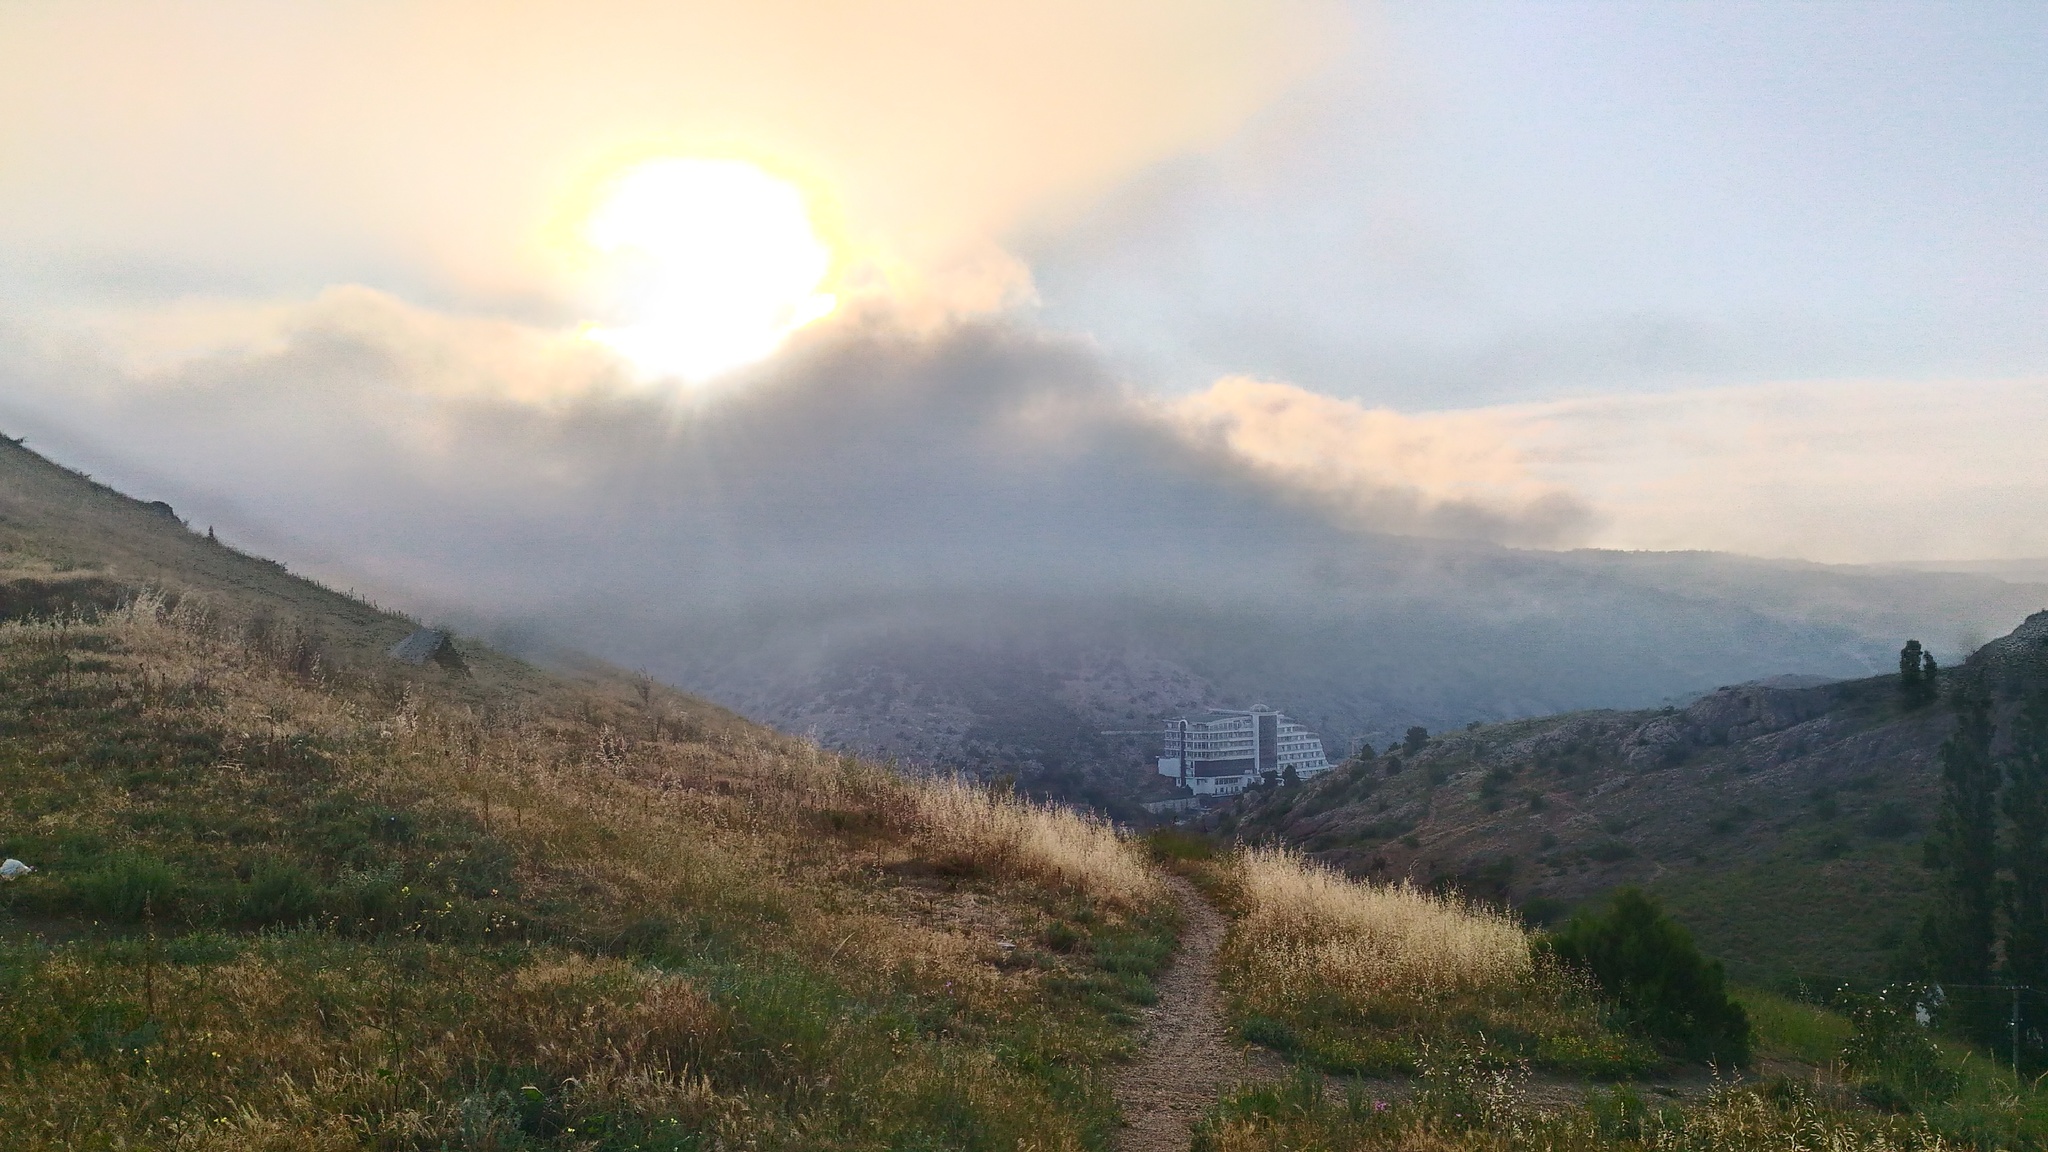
<point>1222,753</point>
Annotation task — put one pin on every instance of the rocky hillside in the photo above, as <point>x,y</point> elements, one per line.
<point>1781,820</point>
<point>1358,646</point>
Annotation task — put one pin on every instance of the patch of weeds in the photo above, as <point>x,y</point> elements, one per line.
<point>1610,851</point>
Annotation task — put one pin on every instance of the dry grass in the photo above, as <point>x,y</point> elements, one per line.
<point>1363,978</point>
<point>671,926</point>
<point>1056,845</point>
<point>1473,1117</point>
<point>1309,925</point>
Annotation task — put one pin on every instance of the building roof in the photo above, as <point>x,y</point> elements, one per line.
<point>1214,714</point>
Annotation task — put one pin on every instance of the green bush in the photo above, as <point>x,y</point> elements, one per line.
<point>279,892</point>
<point>1174,844</point>
<point>128,886</point>
<point>1900,1067</point>
<point>1648,963</point>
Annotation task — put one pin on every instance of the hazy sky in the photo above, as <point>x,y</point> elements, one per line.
<point>1769,278</point>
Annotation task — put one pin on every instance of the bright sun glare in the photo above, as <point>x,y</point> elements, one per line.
<point>712,263</point>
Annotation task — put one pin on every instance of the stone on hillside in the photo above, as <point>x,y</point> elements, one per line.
<point>424,645</point>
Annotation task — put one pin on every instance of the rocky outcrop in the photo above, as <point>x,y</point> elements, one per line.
<point>2018,656</point>
<point>1734,715</point>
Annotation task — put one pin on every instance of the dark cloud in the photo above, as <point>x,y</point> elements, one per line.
<point>879,520</point>
<point>447,456</point>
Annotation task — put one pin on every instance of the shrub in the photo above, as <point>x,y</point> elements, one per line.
<point>1648,963</point>
<point>1174,844</point>
<point>279,892</point>
<point>1890,820</point>
<point>1610,851</point>
<point>129,885</point>
<point>1900,1067</point>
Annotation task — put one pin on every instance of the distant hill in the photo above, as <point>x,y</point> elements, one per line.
<point>1781,823</point>
<point>1359,643</point>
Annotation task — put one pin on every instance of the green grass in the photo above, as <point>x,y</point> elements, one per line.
<point>1544,1022</point>
<point>1364,980</point>
<point>1462,1108</point>
<point>1792,920</point>
<point>274,909</point>
<point>1790,1029</point>
<point>1983,1105</point>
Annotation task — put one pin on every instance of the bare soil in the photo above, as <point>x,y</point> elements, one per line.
<point>1188,1056</point>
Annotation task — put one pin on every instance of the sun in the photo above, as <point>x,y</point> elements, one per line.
<point>705,264</point>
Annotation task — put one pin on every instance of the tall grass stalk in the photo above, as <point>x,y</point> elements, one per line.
<point>1305,925</point>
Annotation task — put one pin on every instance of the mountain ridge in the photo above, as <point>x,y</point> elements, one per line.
<point>1781,823</point>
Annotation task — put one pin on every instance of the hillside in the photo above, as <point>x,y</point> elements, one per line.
<point>1782,824</point>
<point>290,894</point>
<point>1358,644</point>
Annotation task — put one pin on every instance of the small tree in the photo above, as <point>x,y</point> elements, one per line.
<point>1289,776</point>
<point>1416,738</point>
<point>1909,665</point>
<point>1648,963</point>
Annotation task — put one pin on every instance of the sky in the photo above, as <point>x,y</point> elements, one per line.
<point>1767,278</point>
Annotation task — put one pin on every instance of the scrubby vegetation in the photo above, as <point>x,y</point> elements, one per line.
<point>1370,978</point>
<point>1868,1077</point>
<point>283,905</point>
<point>1468,1112</point>
<point>1659,981</point>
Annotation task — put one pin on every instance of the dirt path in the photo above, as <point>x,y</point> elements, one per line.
<point>1188,1056</point>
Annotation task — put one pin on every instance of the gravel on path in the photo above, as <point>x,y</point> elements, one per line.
<point>1187,1055</point>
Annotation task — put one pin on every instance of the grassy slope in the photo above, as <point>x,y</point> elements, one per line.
<point>296,902</point>
<point>1470,1088</point>
<point>58,527</point>
<point>1791,853</point>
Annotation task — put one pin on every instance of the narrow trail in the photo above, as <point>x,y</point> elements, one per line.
<point>1188,1056</point>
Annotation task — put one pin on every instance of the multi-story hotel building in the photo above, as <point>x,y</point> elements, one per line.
<point>1221,753</point>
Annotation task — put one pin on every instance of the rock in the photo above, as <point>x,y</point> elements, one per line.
<point>424,645</point>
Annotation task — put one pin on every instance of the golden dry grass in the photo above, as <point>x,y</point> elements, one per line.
<point>705,925</point>
<point>1057,845</point>
<point>1366,978</point>
<point>1306,924</point>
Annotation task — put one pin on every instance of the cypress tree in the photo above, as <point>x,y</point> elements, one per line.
<point>1961,933</point>
<point>2026,806</point>
<point>1909,665</point>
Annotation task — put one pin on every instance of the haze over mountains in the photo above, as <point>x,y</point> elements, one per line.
<point>973,547</point>
<point>1358,642</point>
